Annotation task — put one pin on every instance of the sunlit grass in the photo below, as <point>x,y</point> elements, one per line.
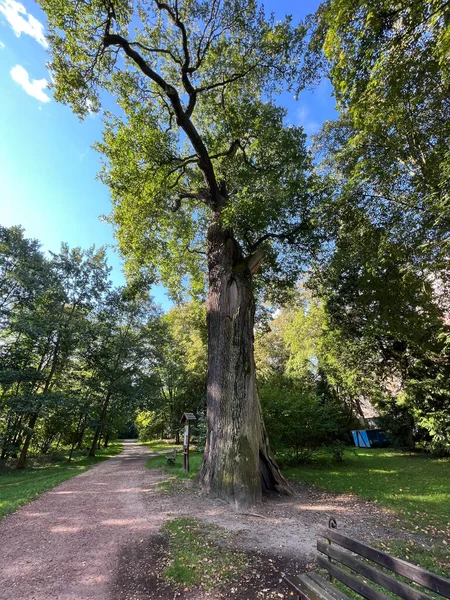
<point>195,459</point>
<point>414,486</point>
<point>19,487</point>
<point>161,445</point>
<point>176,471</point>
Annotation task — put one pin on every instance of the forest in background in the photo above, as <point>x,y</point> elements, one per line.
<point>83,362</point>
<point>353,294</point>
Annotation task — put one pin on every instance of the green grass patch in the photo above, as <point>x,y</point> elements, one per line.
<point>161,445</point>
<point>198,555</point>
<point>19,487</point>
<point>434,557</point>
<point>176,472</point>
<point>414,486</point>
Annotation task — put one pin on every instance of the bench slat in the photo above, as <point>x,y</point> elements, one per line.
<point>308,589</point>
<point>351,581</point>
<point>361,567</point>
<point>334,592</point>
<point>433,582</point>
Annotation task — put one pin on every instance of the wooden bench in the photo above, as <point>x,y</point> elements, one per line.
<point>335,549</point>
<point>171,458</point>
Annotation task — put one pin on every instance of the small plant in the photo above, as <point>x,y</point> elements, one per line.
<point>440,449</point>
<point>337,450</point>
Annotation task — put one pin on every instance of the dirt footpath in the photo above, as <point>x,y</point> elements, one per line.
<point>65,544</point>
<point>97,535</point>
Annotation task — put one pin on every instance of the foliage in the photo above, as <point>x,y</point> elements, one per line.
<point>383,281</point>
<point>195,83</point>
<point>179,371</point>
<point>149,424</point>
<point>385,324</point>
<point>198,432</point>
<point>76,356</point>
<point>302,410</point>
<point>299,422</point>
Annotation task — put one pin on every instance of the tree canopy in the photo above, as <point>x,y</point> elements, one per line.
<point>197,130</point>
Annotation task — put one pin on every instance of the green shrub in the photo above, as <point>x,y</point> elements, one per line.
<point>299,422</point>
<point>149,425</point>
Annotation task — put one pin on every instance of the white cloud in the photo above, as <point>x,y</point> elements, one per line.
<point>2,45</point>
<point>33,87</point>
<point>22,22</point>
<point>304,119</point>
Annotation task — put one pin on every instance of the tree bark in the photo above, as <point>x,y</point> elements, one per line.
<point>98,430</point>
<point>94,443</point>
<point>23,455</point>
<point>237,464</point>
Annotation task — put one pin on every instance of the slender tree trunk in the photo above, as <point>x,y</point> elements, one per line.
<point>237,464</point>
<point>99,428</point>
<point>34,417</point>
<point>7,436</point>
<point>94,441</point>
<point>23,455</point>
<point>81,432</point>
<point>75,438</point>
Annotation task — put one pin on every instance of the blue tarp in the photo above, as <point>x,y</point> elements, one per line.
<point>360,438</point>
<point>370,438</point>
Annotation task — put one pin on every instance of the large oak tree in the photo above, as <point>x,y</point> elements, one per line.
<point>206,176</point>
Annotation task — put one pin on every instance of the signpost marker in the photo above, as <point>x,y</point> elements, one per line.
<point>187,419</point>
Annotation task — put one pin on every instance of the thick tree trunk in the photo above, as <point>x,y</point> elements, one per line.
<point>237,465</point>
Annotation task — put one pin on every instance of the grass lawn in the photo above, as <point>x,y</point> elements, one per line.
<point>19,487</point>
<point>415,487</point>
<point>176,471</point>
<point>161,445</point>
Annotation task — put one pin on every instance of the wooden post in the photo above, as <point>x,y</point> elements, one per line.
<point>186,419</point>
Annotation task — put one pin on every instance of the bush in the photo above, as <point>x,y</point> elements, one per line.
<point>149,425</point>
<point>199,433</point>
<point>439,449</point>
<point>299,422</point>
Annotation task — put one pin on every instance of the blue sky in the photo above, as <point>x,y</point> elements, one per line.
<point>47,166</point>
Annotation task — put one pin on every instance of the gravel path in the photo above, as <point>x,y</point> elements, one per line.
<point>65,544</point>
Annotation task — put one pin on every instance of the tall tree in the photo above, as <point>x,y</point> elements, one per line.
<point>389,67</point>
<point>118,355</point>
<point>387,159</point>
<point>204,173</point>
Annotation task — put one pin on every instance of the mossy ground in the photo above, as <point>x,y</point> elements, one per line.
<point>198,555</point>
